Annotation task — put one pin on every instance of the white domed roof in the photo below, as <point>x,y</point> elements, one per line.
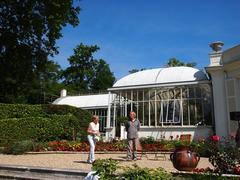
<point>161,76</point>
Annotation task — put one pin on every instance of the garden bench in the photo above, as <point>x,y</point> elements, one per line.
<point>161,155</point>
<point>185,138</point>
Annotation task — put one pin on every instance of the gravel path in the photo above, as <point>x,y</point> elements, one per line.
<point>74,160</point>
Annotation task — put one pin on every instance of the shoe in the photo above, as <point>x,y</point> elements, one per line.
<point>135,159</point>
<point>90,162</point>
<point>128,159</point>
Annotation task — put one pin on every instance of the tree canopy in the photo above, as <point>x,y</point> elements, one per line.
<point>103,78</point>
<point>172,62</point>
<point>87,73</point>
<point>136,70</point>
<point>29,30</point>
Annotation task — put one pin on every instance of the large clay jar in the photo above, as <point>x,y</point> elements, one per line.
<point>184,159</point>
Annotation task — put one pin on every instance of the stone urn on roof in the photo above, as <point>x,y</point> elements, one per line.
<point>217,46</point>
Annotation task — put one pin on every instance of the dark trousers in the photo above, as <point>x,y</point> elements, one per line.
<point>132,148</point>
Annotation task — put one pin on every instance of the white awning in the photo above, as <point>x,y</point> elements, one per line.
<point>85,101</point>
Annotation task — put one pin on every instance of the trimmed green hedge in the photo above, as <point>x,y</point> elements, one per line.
<point>42,122</point>
<point>20,111</point>
<point>36,128</point>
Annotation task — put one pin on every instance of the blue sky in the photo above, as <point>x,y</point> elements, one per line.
<point>146,33</point>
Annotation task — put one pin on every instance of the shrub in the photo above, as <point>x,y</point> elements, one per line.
<point>224,156</point>
<point>19,147</point>
<point>202,147</point>
<point>80,122</point>
<point>105,168</point>
<point>37,129</point>
<point>20,111</point>
<point>147,140</point>
<point>138,173</point>
<point>1,150</point>
<point>122,119</point>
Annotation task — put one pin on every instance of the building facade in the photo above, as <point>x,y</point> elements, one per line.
<point>224,70</point>
<point>172,101</point>
<point>167,101</point>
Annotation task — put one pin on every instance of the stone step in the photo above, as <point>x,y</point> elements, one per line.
<point>39,173</point>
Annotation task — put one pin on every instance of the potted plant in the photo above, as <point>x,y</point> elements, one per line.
<point>184,157</point>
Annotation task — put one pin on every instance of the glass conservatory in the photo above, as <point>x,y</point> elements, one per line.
<point>167,101</point>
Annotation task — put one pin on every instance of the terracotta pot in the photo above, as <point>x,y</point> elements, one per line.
<point>184,159</point>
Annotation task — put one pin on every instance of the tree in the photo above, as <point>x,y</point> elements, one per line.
<point>87,73</point>
<point>50,82</point>
<point>103,77</point>
<point>136,70</point>
<point>29,30</point>
<point>173,62</point>
<point>81,70</point>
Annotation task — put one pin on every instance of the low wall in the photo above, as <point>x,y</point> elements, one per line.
<point>196,132</point>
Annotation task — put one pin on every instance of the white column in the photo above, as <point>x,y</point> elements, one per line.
<point>63,93</point>
<point>215,69</point>
<point>219,100</point>
<point>109,109</point>
<point>109,134</point>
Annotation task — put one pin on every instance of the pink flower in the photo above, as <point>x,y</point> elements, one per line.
<point>232,135</point>
<point>215,138</point>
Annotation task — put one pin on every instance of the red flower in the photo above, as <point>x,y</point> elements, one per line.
<point>236,170</point>
<point>215,138</point>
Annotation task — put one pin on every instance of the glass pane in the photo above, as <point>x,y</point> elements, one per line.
<point>158,107</point>
<point>206,90</point>
<point>170,111</point>
<point>164,94</point>
<point>146,114</point>
<point>140,112</point>
<point>152,95</point>
<point>146,95</point>
<point>118,111</point>
<point>123,94</point>
<point>198,92</point>
<point>207,112</point>
<point>164,111</point>
<point>122,111</point>
<point>134,95</point>
<point>185,112</point>
<point>152,113</point>
<point>140,95</point>
<point>184,92</point>
<point>192,107</point>
<point>128,95</point>
<point>191,92</point>
<point>128,109</point>
<point>177,113</point>
<point>171,93</point>
<point>177,93</point>
<point>135,104</point>
<point>199,112</point>
<point>158,95</point>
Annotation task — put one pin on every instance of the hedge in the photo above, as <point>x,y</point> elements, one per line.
<point>42,122</point>
<point>20,111</point>
<point>36,128</point>
<point>25,110</point>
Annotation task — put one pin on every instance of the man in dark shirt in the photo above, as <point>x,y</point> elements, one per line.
<point>132,128</point>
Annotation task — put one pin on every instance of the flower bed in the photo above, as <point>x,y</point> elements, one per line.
<point>101,146</point>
